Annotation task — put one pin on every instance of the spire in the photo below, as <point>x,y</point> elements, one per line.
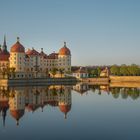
<point>4,47</point>
<point>4,121</point>
<point>0,45</point>
<point>4,43</point>
<point>4,116</point>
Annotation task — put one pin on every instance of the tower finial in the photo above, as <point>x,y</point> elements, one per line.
<point>4,43</point>
<point>41,49</point>
<point>17,39</point>
<point>65,115</point>
<point>17,122</point>
<point>64,43</point>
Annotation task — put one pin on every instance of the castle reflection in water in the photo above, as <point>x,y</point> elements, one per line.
<point>19,99</point>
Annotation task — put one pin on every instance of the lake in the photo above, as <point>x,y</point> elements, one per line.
<point>70,112</point>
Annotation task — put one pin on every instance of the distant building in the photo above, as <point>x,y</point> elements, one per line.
<point>81,73</point>
<point>104,88</point>
<point>31,63</point>
<point>105,72</point>
<point>81,88</point>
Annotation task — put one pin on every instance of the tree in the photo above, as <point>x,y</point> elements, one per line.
<point>94,72</point>
<point>12,71</point>
<point>46,72</point>
<point>124,70</point>
<point>54,91</point>
<point>3,72</point>
<point>134,70</point>
<point>61,71</point>
<point>99,71</point>
<point>53,72</point>
<point>115,70</point>
<point>8,72</point>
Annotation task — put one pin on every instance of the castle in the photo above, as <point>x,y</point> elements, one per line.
<point>31,63</point>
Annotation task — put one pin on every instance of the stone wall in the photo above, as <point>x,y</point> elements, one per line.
<point>111,79</point>
<point>3,82</point>
<point>125,84</point>
<point>95,80</point>
<point>124,78</point>
<point>38,82</point>
<point>70,81</point>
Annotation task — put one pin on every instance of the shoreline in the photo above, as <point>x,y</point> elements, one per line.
<point>112,79</point>
<point>120,80</point>
<point>38,81</point>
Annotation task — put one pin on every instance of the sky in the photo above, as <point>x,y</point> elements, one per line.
<point>98,32</point>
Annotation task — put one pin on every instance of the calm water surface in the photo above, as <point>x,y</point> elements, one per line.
<point>69,112</point>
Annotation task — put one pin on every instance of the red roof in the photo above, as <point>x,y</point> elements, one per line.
<point>42,53</point>
<point>4,104</point>
<point>17,47</point>
<point>32,52</point>
<point>65,108</point>
<point>17,114</point>
<point>32,107</point>
<point>4,56</point>
<point>53,56</point>
<point>53,103</point>
<point>64,50</point>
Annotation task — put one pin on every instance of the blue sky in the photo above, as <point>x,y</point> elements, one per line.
<point>98,32</point>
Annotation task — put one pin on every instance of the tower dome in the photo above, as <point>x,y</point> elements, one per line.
<point>64,50</point>
<point>65,109</point>
<point>17,47</point>
<point>17,114</point>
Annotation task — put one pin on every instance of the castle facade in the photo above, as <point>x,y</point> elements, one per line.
<point>33,64</point>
